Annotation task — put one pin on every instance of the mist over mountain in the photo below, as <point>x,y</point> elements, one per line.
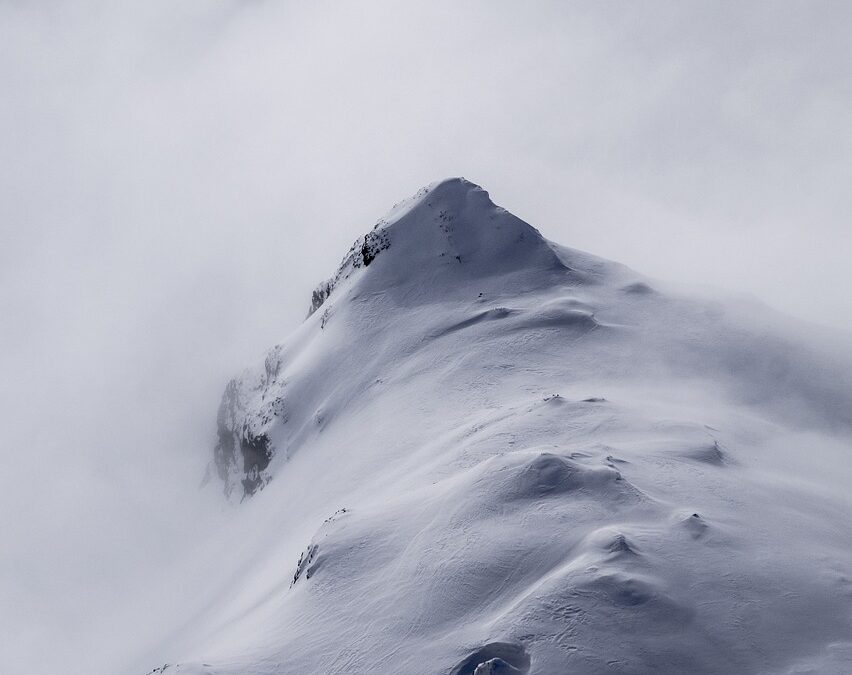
<point>210,347</point>
<point>484,452</point>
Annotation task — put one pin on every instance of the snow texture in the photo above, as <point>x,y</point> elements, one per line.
<point>486,453</point>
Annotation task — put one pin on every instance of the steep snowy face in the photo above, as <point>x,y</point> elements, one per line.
<point>484,452</point>
<point>439,243</point>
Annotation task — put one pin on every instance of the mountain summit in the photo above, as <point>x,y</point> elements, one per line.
<point>483,452</point>
<point>448,232</point>
<point>447,241</point>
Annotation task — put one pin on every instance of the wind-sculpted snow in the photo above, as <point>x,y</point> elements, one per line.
<point>486,453</point>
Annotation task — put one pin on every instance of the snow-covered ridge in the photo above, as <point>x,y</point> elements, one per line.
<point>449,241</point>
<point>485,452</point>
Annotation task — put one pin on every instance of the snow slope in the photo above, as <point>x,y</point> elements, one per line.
<point>486,453</point>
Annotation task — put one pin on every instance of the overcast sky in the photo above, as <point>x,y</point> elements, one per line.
<point>176,177</point>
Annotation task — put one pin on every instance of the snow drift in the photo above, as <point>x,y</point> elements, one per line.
<point>485,453</point>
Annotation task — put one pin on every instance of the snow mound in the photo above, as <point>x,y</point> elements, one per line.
<point>493,659</point>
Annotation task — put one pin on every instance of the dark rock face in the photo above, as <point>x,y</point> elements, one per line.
<point>374,243</point>
<point>256,455</point>
<point>225,452</point>
<point>311,560</point>
<point>361,254</point>
<point>303,567</point>
<point>242,455</point>
<point>319,295</point>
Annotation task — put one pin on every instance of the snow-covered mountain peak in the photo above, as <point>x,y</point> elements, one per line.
<point>526,459</point>
<point>448,268</point>
<point>446,233</point>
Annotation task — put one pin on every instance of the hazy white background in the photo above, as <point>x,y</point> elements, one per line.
<point>176,177</point>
